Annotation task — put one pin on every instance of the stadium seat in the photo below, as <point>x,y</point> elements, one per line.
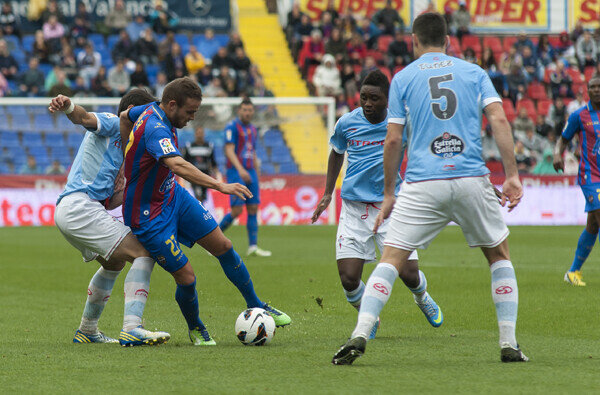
<point>554,40</point>
<point>13,42</point>
<point>574,74</point>
<point>528,104</point>
<point>509,109</point>
<point>376,55</point>
<point>59,152</point>
<point>536,91</point>
<point>9,139</point>
<point>473,42</point>
<point>32,139</point>
<point>495,166</point>
<point>21,58</point>
<point>589,72</point>
<point>288,168</point>
<point>97,40</point>
<point>45,68</point>
<point>455,45</point>
<point>508,42</point>
<point>383,42</point>
<point>543,106</point>
<point>579,87</point>
<point>387,73</point>
<point>74,140</point>
<point>223,39</point>
<point>494,43</point>
<point>27,43</point>
<point>267,168</point>
<point>43,122</point>
<point>54,139</point>
<point>111,41</point>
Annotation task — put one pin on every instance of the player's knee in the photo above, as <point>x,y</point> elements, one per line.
<point>113,264</point>
<point>252,209</point>
<point>349,282</point>
<point>221,247</point>
<point>236,211</point>
<point>185,275</point>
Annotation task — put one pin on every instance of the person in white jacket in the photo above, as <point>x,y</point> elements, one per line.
<point>327,79</point>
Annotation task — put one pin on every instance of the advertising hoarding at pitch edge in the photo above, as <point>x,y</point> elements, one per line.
<point>498,16</point>
<point>290,200</point>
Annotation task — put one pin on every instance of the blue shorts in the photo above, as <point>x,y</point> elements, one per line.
<point>184,221</point>
<point>234,176</point>
<point>591,193</point>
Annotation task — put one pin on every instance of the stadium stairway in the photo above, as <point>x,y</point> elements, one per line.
<point>303,127</point>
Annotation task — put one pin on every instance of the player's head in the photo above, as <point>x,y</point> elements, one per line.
<point>246,110</point>
<point>594,90</point>
<point>429,31</point>
<point>181,100</point>
<point>135,97</point>
<point>374,94</point>
<point>199,133</point>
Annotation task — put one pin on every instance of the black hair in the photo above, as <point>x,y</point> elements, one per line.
<point>378,79</point>
<point>431,30</point>
<point>594,77</point>
<point>135,97</point>
<point>246,101</point>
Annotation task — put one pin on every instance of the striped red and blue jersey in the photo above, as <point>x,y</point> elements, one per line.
<point>150,185</point>
<point>244,137</point>
<point>585,122</point>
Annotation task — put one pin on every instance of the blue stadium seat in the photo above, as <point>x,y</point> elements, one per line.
<point>54,139</point>
<point>32,139</point>
<point>111,41</point>
<point>223,39</point>
<point>45,68</point>
<point>107,62</point>
<point>74,140</point>
<point>267,168</point>
<point>64,125</point>
<point>97,40</point>
<point>9,139</point>
<point>43,122</point>
<point>27,43</point>
<point>37,150</point>
<point>21,58</point>
<point>280,157</point>
<point>183,40</point>
<point>13,42</point>
<point>110,109</point>
<point>59,152</point>
<point>33,110</point>
<point>288,168</point>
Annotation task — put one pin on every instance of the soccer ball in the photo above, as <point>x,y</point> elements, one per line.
<point>255,327</point>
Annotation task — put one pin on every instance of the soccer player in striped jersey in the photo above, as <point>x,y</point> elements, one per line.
<point>585,123</point>
<point>162,214</point>
<point>242,167</point>
<point>94,185</point>
<point>361,134</point>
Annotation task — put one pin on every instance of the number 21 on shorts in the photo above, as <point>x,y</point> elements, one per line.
<point>171,242</point>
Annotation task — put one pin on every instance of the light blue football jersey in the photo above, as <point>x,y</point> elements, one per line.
<point>445,97</point>
<point>364,143</point>
<point>98,160</point>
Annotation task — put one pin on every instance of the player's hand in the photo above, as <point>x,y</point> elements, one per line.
<point>386,209</point>
<point>236,189</point>
<point>558,163</point>
<point>59,103</point>
<point>322,206</point>
<point>245,176</point>
<point>512,191</point>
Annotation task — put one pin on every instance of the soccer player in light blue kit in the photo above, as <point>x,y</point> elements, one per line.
<point>361,133</point>
<point>446,180</point>
<point>81,216</point>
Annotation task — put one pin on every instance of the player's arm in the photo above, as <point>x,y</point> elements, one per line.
<point>334,166</point>
<point>125,126</point>
<point>232,157</point>
<point>257,164</point>
<point>190,173</point>
<point>76,114</point>
<point>512,189</point>
<point>571,128</point>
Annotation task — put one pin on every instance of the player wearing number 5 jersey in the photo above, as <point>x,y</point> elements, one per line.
<point>446,179</point>
<point>585,123</point>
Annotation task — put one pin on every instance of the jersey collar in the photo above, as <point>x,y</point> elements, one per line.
<point>161,114</point>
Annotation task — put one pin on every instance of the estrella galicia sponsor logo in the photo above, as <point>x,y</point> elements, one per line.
<point>447,146</point>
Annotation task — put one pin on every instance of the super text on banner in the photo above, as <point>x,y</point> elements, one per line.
<point>588,11</point>
<point>498,15</point>
<point>314,8</point>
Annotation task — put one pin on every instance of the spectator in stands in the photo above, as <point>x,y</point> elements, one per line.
<point>240,62</point>
<point>388,19</point>
<point>55,169</point>
<point>40,48</point>
<point>228,81</point>
<point>213,89</point>
<point>146,48</point>
<point>369,31</point>
<point>522,122</point>
<point>234,43</point>
<point>327,77</point>
<point>586,50</point>
<point>517,84</point>
<point>545,52</point>
<point>557,115</point>
<point>118,17</point>
<point>523,158</point>
<point>8,65</point>
<point>489,149</point>
<point>100,84</point>
<point>52,9</point>
<point>545,165</point>
<point>523,41</point>
<point>564,43</point>
<point>534,143</point>
<point>470,56</point>
<point>461,19</point>
<point>578,31</point>
<point>369,66</point>
<point>220,59</point>
<point>67,61</point>
<point>6,156</point>
<point>53,32</point>
<point>209,45</point>
<point>79,33</point>
<point>531,66</point>
<point>88,18</point>
<point>259,89</point>
<point>303,29</point>
<point>398,52</point>
<point>10,23</point>
<point>160,84</point>
<point>62,86</point>
<point>51,78</point>
<point>30,167</point>
<point>80,88</point>
<point>293,19</point>
<point>577,103</point>
<point>336,46</point>
<point>175,63</point>
<point>326,25</point>
<point>349,80</point>
<point>510,59</point>
<point>560,81</point>
<point>488,63</point>
<point>118,79</point>
<point>204,76</point>
<point>597,70</point>
<point>347,26</point>
<point>542,128</point>
<point>139,77</point>
<point>164,47</point>
<point>32,81</point>
<point>163,20</point>
<point>124,47</point>
<point>194,61</point>
<point>341,106</point>
<point>357,50</point>
<point>136,27</point>
<point>313,50</point>
<point>89,61</point>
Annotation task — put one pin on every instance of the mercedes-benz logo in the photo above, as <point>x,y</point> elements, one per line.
<point>200,7</point>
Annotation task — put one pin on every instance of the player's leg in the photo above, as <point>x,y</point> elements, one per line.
<point>586,242</point>
<point>252,221</point>
<point>235,202</point>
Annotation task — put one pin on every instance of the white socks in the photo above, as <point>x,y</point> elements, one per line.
<point>136,287</point>
<point>354,297</point>
<point>506,298</point>
<point>99,292</point>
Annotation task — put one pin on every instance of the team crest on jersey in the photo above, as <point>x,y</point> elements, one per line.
<point>166,146</point>
<point>447,146</point>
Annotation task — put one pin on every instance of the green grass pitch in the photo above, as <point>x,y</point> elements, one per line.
<point>43,288</point>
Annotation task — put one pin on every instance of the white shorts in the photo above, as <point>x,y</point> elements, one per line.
<point>355,237</point>
<point>87,225</point>
<point>424,208</point>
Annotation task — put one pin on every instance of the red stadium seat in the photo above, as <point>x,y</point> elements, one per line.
<point>567,100</point>
<point>398,68</point>
<point>528,104</point>
<point>579,87</point>
<point>575,75</point>
<point>378,56</point>
<point>494,43</point>
<point>508,42</point>
<point>455,45</point>
<point>494,166</point>
<point>509,109</point>
<point>589,72</point>
<point>543,106</point>
<point>536,91</point>
<point>387,73</point>
<point>471,42</point>
<point>408,41</point>
<point>383,42</point>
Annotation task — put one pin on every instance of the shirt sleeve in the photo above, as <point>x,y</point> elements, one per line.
<point>107,124</point>
<point>135,112</point>
<point>487,90</point>
<point>338,140</point>
<point>573,126</point>
<point>159,141</point>
<point>230,136</point>
<point>397,106</point>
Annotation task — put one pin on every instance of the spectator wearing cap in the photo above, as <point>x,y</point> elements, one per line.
<point>388,19</point>
<point>586,50</point>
